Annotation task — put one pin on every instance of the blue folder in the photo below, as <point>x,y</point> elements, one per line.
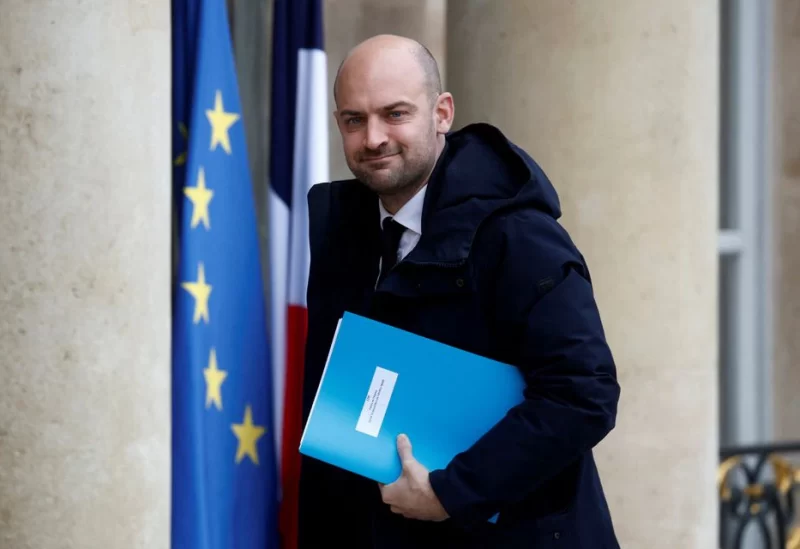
<point>380,381</point>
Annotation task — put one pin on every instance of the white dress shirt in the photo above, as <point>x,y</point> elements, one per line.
<point>410,217</point>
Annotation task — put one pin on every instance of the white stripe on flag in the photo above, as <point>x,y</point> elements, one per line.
<point>310,161</point>
<point>279,254</point>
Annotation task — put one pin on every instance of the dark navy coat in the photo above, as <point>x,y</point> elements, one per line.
<point>493,273</point>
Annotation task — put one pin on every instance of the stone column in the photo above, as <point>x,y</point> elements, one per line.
<point>85,167</point>
<point>618,102</point>
<point>348,22</point>
<point>787,221</point>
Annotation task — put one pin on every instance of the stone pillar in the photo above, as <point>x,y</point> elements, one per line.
<point>618,101</point>
<point>787,221</point>
<point>348,22</point>
<point>85,166</point>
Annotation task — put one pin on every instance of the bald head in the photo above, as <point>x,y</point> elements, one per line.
<point>396,51</point>
<point>392,115</point>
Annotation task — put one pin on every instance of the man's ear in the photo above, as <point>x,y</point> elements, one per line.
<point>444,111</point>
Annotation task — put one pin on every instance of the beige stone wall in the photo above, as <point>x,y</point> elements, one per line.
<point>348,22</point>
<point>618,101</point>
<point>84,274</point>
<point>787,221</point>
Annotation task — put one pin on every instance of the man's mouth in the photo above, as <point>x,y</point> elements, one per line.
<point>377,158</point>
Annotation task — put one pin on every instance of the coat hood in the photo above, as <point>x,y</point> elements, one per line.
<point>479,174</point>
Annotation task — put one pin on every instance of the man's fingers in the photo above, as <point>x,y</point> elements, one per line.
<point>388,492</point>
<point>404,449</point>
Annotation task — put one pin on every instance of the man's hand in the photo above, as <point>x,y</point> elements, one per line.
<point>412,495</point>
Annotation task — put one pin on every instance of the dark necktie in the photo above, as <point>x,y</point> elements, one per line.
<point>390,239</point>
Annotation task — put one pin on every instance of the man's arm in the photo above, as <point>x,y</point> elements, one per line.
<point>545,301</point>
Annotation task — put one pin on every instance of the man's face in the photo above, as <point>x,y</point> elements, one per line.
<point>387,121</point>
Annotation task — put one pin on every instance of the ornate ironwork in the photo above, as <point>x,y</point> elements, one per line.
<point>757,489</point>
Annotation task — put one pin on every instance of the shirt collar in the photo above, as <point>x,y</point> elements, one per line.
<point>410,215</point>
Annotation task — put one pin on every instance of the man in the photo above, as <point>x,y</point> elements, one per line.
<point>454,236</point>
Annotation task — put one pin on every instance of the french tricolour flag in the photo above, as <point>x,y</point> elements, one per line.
<point>298,159</point>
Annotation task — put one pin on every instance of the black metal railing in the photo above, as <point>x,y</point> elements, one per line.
<point>757,490</point>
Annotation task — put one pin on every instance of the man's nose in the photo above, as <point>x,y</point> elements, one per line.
<point>376,136</point>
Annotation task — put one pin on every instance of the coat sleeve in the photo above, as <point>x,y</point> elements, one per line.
<point>543,300</point>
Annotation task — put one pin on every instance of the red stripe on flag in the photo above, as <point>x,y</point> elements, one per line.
<point>296,330</point>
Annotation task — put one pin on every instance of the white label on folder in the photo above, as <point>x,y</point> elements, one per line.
<point>380,391</point>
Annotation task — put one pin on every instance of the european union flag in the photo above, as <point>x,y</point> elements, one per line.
<point>224,468</point>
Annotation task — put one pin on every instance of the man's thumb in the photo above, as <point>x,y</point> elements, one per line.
<point>404,448</point>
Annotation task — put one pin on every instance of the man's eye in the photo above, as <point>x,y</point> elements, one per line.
<point>396,114</point>
<point>353,120</point>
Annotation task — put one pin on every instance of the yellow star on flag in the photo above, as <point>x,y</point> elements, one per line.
<point>200,197</point>
<point>200,292</point>
<point>214,378</point>
<point>221,122</point>
<point>248,434</point>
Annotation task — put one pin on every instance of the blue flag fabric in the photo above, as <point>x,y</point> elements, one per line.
<point>224,491</point>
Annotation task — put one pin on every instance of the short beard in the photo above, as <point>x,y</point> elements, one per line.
<point>410,176</point>
<point>398,181</point>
